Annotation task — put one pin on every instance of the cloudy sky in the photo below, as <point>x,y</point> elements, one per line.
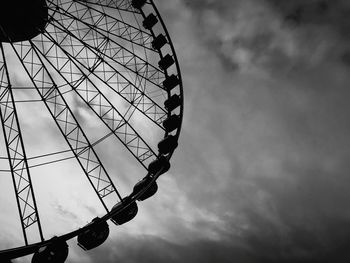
<point>261,171</point>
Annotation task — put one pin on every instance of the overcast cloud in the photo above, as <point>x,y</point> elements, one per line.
<point>262,169</point>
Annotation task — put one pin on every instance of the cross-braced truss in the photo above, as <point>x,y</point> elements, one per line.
<point>18,163</point>
<point>98,57</point>
<point>65,120</point>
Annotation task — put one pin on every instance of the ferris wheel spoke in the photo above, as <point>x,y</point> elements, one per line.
<point>119,53</point>
<point>119,29</point>
<point>66,121</point>
<point>114,27</point>
<point>110,56</point>
<point>17,158</point>
<point>110,116</point>
<point>122,5</point>
<point>105,72</point>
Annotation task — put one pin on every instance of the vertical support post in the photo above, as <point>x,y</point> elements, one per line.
<point>22,182</point>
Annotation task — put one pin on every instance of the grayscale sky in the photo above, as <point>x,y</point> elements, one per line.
<point>261,173</point>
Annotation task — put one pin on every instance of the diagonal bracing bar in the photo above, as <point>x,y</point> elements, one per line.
<point>106,71</point>
<point>105,110</point>
<point>66,121</point>
<point>28,211</point>
<point>106,26</point>
<point>120,5</point>
<point>115,27</point>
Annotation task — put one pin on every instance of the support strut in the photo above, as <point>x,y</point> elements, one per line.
<point>27,207</point>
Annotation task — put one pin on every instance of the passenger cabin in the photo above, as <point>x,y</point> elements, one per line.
<point>138,4</point>
<point>55,252</point>
<point>143,184</point>
<point>159,42</point>
<point>125,214</point>
<point>166,62</point>
<point>172,103</point>
<point>168,144</point>
<point>171,82</point>
<point>172,123</point>
<point>161,165</point>
<point>150,21</point>
<point>96,233</point>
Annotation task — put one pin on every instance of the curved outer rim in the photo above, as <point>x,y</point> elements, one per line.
<point>177,68</point>
<point>32,248</point>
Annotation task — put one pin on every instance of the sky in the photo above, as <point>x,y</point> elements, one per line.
<point>261,171</point>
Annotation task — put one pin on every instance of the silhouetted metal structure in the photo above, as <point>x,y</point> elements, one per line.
<point>88,49</point>
<point>95,234</point>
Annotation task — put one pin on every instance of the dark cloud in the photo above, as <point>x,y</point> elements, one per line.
<point>316,12</point>
<point>269,151</point>
<point>272,34</point>
<point>312,210</point>
<point>326,17</point>
<point>154,249</point>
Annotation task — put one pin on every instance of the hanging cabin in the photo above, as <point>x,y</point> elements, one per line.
<point>142,185</point>
<point>159,42</point>
<point>171,82</point>
<point>124,214</point>
<point>138,4</point>
<point>172,123</point>
<point>96,233</point>
<point>55,252</point>
<point>161,165</point>
<point>172,103</point>
<point>166,62</point>
<point>150,21</point>
<point>167,145</point>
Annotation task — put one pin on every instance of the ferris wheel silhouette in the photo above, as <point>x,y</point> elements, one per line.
<point>113,58</point>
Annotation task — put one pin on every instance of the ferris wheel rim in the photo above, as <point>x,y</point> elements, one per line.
<point>31,248</point>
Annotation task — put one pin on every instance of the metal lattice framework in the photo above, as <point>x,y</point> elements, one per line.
<point>28,211</point>
<point>115,60</point>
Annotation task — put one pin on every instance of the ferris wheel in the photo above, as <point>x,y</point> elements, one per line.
<point>85,65</point>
